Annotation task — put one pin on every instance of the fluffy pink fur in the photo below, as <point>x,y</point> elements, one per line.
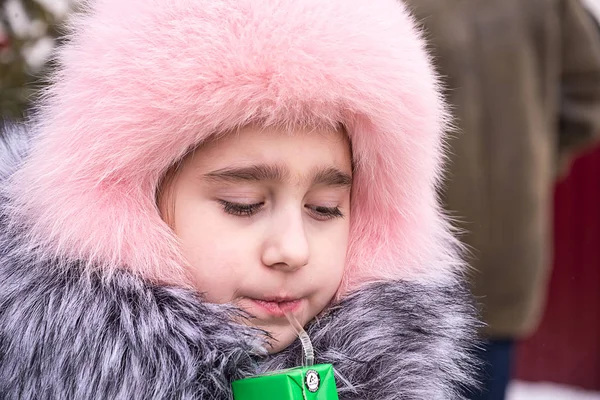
<point>143,81</point>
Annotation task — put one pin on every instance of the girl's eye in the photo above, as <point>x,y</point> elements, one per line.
<point>241,209</point>
<point>325,213</point>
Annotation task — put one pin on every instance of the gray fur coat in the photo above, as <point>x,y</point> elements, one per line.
<point>66,335</point>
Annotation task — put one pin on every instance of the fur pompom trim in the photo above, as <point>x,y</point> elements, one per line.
<point>140,82</point>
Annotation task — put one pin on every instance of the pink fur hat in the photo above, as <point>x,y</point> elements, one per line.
<point>141,82</point>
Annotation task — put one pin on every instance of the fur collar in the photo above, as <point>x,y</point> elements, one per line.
<point>14,143</point>
<point>63,335</point>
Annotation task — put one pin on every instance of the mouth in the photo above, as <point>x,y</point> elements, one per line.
<point>277,307</point>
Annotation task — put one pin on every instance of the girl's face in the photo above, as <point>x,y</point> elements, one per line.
<point>263,217</point>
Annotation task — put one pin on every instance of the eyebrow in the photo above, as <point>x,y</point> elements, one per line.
<point>332,177</point>
<point>250,173</point>
<point>328,176</point>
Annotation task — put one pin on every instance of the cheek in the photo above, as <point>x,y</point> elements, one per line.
<point>329,258</point>
<point>216,258</point>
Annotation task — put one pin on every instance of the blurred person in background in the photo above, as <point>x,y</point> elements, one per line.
<point>523,78</point>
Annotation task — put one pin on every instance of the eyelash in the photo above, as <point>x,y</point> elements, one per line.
<point>325,213</point>
<point>248,210</point>
<point>240,209</point>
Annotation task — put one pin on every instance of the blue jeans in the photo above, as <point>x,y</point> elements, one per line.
<point>497,360</point>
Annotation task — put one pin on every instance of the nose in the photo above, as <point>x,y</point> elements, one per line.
<point>286,245</point>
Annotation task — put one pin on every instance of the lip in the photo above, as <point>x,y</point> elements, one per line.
<point>277,307</point>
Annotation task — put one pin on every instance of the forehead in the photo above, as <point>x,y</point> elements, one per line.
<point>289,151</point>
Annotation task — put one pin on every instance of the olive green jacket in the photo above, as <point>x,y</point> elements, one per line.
<point>524,81</point>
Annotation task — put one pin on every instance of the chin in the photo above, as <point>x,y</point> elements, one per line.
<point>281,340</point>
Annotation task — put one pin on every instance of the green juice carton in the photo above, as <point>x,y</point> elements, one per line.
<point>315,382</point>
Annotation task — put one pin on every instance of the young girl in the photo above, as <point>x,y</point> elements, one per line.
<point>200,168</point>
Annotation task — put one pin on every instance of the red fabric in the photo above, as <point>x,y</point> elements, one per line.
<point>566,348</point>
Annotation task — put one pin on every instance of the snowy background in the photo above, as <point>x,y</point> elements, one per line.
<point>546,391</point>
